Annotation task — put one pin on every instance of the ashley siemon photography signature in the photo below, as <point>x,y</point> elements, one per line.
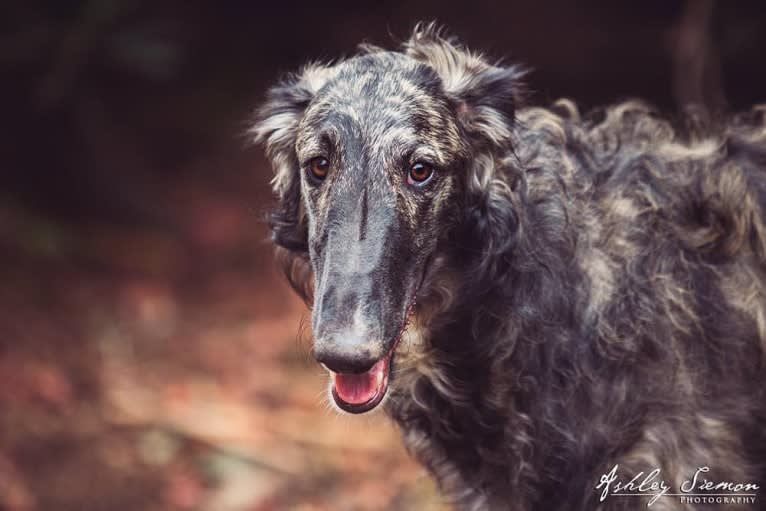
<point>695,490</point>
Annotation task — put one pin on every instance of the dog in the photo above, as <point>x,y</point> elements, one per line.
<point>555,309</point>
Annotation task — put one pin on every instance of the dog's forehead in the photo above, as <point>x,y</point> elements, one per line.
<point>386,97</point>
<point>381,74</point>
<point>380,86</point>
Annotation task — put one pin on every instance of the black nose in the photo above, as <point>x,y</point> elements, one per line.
<point>353,359</point>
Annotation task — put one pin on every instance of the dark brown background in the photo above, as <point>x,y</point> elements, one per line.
<point>150,357</point>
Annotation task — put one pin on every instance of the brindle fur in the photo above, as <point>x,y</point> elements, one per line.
<point>594,290</point>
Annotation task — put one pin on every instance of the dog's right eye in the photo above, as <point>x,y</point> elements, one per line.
<point>318,167</point>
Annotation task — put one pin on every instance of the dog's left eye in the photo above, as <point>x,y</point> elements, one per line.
<point>420,172</point>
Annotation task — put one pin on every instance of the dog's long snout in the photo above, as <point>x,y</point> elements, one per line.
<point>356,310</point>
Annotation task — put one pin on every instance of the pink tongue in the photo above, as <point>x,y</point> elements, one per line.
<point>357,389</point>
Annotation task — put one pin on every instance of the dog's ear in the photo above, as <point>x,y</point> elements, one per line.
<point>277,121</point>
<point>485,96</point>
<point>276,126</point>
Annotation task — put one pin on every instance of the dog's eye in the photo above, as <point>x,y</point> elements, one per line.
<point>319,167</point>
<point>420,172</point>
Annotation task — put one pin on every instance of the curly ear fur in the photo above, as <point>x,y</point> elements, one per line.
<point>276,126</point>
<point>486,95</point>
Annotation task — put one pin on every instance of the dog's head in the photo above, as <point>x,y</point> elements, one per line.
<point>375,158</point>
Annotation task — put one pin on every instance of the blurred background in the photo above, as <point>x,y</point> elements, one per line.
<point>150,356</point>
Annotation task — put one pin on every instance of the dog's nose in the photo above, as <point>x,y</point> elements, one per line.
<point>344,357</point>
<point>347,328</point>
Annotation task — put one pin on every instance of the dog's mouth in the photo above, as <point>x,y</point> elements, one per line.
<point>360,393</point>
<point>363,392</point>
